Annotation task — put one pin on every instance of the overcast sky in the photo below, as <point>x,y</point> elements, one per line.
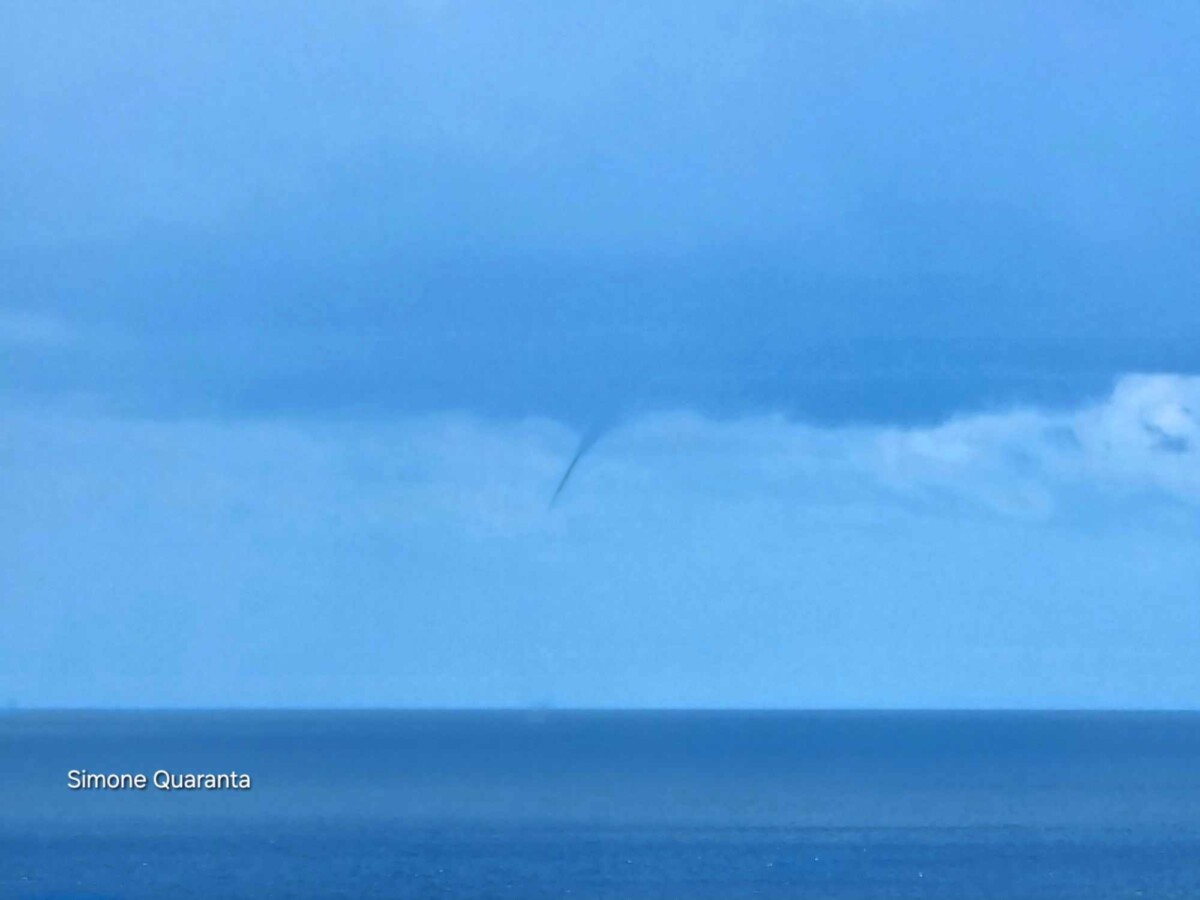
<point>885,314</point>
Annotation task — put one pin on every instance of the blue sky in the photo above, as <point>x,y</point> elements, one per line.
<point>885,313</point>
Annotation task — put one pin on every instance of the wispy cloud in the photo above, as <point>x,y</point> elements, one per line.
<point>1144,437</point>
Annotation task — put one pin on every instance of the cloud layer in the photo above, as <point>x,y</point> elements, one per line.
<point>1027,558</point>
<point>832,210</point>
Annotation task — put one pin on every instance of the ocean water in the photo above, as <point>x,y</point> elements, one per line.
<point>614,805</point>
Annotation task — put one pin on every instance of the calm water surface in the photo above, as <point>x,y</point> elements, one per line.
<point>620,805</point>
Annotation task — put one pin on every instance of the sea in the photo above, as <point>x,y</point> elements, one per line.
<point>665,805</point>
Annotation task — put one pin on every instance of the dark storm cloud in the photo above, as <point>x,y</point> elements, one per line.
<point>839,211</point>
